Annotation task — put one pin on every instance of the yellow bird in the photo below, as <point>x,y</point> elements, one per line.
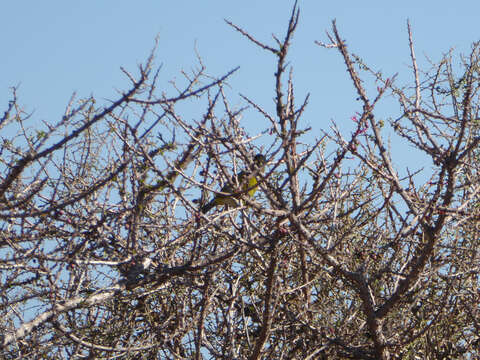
<point>248,183</point>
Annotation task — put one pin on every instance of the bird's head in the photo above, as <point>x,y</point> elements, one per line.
<point>260,161</point>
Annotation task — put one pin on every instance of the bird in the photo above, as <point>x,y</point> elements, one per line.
<point>247,182</point>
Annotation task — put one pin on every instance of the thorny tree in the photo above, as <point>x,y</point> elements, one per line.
<point>104,253</point>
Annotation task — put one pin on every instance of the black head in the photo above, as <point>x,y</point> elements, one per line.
<point>260,160</point>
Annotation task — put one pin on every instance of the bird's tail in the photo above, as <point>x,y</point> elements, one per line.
<point>207,207</point>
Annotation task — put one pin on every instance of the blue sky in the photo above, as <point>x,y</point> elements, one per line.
<point>53,48</point>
